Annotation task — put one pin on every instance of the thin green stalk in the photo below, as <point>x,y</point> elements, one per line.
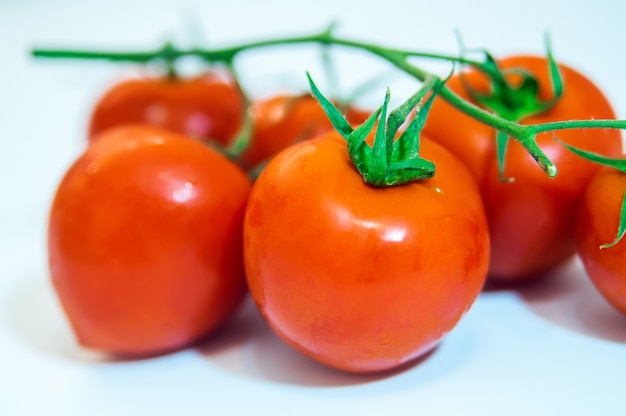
<point>576,124</point>
<point>524,134</point>
<point>244,135</point>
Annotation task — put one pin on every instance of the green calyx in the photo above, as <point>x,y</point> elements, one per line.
<point>619,164</point>
<point>514,102</point>
<point>393,159</point>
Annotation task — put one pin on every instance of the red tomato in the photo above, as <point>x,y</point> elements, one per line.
<point>598,222</point>
<point>361,278</point>
<point>283,120</point>
<point>206,106</point>
<point>531,219</point>
<point>145,245</point>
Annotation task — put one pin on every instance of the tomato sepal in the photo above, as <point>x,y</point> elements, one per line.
<point>393,159</point>
<point>516,102</point>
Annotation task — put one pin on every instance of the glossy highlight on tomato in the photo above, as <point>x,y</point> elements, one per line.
<point>145,241</point>
<point>531,218</point>
<point>597,226</point>
<point>207,106</point>
<point>360,278</point>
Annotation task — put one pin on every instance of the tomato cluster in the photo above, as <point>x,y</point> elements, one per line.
<point>145,230</point>
<point>531,216</point>
<point>537,223</point>
<point>155,237</point>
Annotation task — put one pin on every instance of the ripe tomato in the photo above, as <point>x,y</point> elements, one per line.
<point>205,106</point>
<point>144,243</point>
<point>361,278</point>
<point>283,120</point>
<point>531,219</point>
<point>598,221</point>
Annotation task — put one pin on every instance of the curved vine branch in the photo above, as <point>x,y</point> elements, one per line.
<point>524,134</point>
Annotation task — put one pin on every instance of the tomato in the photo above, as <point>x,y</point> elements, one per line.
<point>360,278</point>
<point>597,225</point>
<point>144,241</point>
<point>283,120</point>
<point>205,106</point>
<point>531,219</point>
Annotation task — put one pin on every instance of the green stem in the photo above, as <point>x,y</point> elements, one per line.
<point>228,54</point>
<point>576,124</point>
<point>615,163</point>
<point>138,57</point>
<point>242,140</point>
<point>525,135</point>
<point>522,134</point>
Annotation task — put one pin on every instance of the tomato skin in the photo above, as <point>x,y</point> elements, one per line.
<point>204,106</point>
<point>597,224</point>
<point>282,120</point>
<point>359,278</point>
<point>531,219</point>
<point>144,241</point>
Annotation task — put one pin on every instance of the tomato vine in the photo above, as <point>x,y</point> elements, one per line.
<point>524,134</point>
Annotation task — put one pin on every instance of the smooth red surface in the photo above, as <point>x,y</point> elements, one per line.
<point>531,219</point>
<point>204,107</point>
<point>145,241</point>
<point>283,120</point>
<point>598,223</point>
<point>360,278</point>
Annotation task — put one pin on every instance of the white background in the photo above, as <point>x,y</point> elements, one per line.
<point>550,349</point>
